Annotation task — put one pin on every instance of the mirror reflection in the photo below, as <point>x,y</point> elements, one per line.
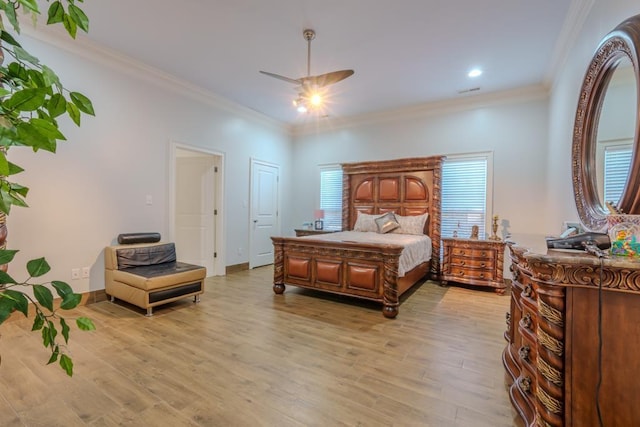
<point>615,133</point>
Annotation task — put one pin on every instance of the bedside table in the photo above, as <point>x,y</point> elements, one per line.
<point>309,232</point>
<point>473,262</point>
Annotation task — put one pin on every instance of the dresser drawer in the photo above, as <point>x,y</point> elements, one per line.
<point>471,273</point>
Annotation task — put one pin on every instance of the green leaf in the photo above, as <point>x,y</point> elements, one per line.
<point>57,105</point>
<point>79,17</point>
<point>85,324</point>
<point>73,112</point>
<point>38,267</point>
<point>67,364</point>
<point>44,296</point>
<point>7,306</point>
<point>54,355</point>
<point>62,288</point>
<point>70,25</point>
<point>13,19</point>
<point>26,100</point>
<point>5,279</point>
<point>50,77</point>
<point>47,129</point>
<point>14,169</point>
<point>46,335</point>
<point>25,56</point>
<point>32,5</point>
<point>4,164</point>
<point>20,301</point>
<point>18,71</point>
<point>4,92</point>
<point>31,136</point>
<point>7,255</point>
<point>8,38</point>
<point>56,13</point>
<point>71,301</point>
<point>19,189</point>
<point>38,322</point>
<point>82,102</point>
<point>65,330</point>
<point>37,78</point>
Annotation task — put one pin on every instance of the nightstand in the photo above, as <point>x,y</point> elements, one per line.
<point>473,262</point>
<point>309,232</point>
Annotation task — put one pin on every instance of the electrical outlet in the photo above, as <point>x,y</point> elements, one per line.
<point>75,273</point>
<point>85,272</point>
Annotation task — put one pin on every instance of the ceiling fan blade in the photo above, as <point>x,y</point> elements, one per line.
<point>325,79</point>
<point>278,76</point>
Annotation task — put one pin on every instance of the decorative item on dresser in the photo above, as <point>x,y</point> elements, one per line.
<point>473,262</point>
<point>555,331</point>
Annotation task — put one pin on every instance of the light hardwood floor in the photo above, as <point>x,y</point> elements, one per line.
<point>244,356</point>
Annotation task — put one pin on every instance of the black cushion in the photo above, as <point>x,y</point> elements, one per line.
<point>130,238</point>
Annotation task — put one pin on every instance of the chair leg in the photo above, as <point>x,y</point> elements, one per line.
<point>113,299</point>
<point>196,298</point>
<point>149,312</point>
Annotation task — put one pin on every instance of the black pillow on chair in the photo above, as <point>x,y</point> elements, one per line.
<point>130,238</point>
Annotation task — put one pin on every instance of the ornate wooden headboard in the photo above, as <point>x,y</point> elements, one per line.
<point>404,186</point>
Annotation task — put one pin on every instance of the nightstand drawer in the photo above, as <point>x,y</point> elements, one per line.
<point>473,253</point>
<point>487,263</point>
<point>471,274</point>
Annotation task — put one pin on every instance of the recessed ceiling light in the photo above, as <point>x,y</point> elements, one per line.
<point>475,72</point>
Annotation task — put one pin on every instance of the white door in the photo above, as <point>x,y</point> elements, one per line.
<point>264,221</point>
<point>195,208</point>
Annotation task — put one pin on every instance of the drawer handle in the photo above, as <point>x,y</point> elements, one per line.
<point>527,291</point>
<point>525,384</point>
<point>524,352</point>
<point>526,321</point>
<point>508,318</point>
<point>461,252</point>
<point>461,262</point>
<point>481,275</point>
<point>484,253</point>
<point>460,273</point>
<point>482,265</point>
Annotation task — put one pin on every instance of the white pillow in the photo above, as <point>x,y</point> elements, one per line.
<point>366,222</point>
<point>413,224</point>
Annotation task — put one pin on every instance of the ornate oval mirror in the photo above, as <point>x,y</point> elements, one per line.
<point>606,126</point>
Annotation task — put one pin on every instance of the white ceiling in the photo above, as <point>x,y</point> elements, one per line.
<point>404,52</point>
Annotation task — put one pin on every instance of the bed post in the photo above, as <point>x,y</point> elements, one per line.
<point>278,265</point>
<point>390,295</point>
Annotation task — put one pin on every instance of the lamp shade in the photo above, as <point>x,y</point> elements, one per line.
<point>319,214</point>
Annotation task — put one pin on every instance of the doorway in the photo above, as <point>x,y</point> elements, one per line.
<point>196,207</point>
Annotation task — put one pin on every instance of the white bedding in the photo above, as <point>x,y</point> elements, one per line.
<point>417,249</point>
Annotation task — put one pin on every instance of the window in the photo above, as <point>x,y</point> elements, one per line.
<point>464,194</point>
<point>616,170</point>
<point>331,196</point>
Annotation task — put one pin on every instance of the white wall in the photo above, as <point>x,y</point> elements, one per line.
<point>603,17</point>
<point>96,185</point>
<point>513,127</point>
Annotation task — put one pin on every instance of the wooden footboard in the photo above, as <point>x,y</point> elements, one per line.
<point>361,270</point>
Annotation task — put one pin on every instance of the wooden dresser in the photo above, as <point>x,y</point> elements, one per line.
<point>552,358</point>
<point>474,262</point>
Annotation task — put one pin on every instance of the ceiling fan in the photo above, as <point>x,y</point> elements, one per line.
<point>309,95</point>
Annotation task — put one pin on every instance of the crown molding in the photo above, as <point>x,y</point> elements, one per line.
<point>573,24</point>
<point>84,47</point>
<point>469,102</point>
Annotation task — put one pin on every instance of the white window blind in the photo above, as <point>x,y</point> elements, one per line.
<point>331,197</point>
<point>616,170</point>
<point>464,195</point>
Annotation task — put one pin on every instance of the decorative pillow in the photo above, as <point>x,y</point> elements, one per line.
<point>413,224</point>
<point>386,223</point>
<point>366,222</point>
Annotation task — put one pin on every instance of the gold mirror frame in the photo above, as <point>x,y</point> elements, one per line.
<point>623,42</point>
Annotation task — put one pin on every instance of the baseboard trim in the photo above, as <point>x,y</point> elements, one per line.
<point>236,268</point>
<point>87,298</point>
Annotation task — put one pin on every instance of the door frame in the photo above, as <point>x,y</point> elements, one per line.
<point>254,161</point>
<point>219,161</point>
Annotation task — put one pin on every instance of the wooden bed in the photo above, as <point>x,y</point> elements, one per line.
<point>369,271</point>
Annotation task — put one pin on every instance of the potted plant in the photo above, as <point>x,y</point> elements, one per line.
<point>32,100</point>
